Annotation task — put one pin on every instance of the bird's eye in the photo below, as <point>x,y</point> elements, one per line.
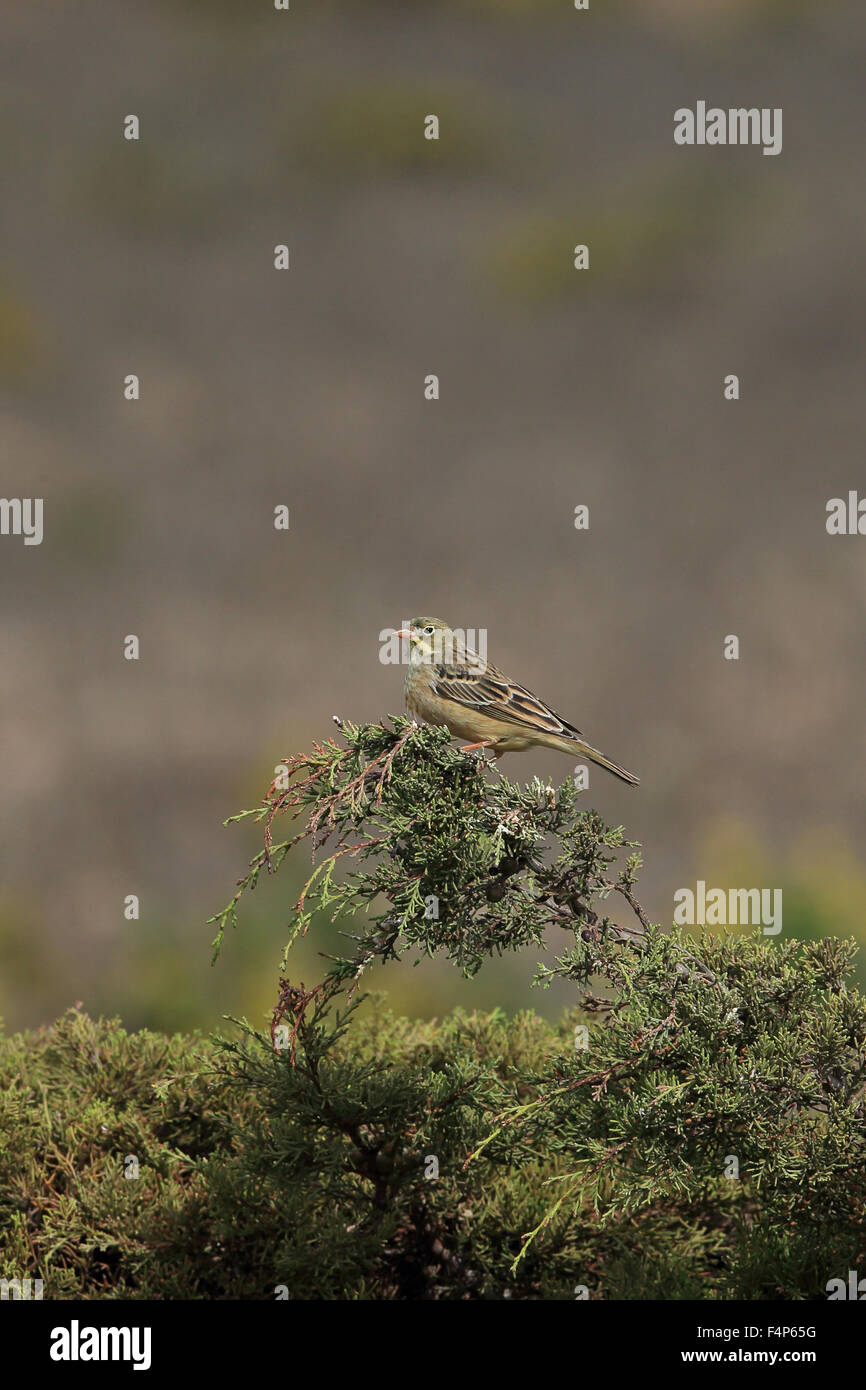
<point>429,631</point>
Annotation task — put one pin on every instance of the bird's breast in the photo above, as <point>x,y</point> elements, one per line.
<point>422,702</point>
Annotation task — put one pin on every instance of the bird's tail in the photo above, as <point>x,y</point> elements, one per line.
<point>578,745</point>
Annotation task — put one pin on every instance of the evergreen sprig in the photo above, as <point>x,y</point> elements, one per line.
<point>463,863</point>
<point>719,1078</point>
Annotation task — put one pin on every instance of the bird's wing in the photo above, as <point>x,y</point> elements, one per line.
<point>487,690</point>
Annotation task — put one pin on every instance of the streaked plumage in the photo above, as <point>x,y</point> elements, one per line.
<point>454,687</point>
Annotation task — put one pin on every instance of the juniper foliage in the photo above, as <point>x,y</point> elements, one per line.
<point>694,1126</point>
<point>719,1078</point>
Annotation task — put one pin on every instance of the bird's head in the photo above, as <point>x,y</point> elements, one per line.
<point>429,640</point>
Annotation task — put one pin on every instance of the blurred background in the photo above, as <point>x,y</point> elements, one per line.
<point>306,388</point>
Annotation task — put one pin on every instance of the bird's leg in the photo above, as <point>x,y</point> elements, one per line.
<point>483,743</point>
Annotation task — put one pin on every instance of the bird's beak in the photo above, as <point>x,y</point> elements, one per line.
<point>404,632</point>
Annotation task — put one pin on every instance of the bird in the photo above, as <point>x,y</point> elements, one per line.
<point>450,685</point>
